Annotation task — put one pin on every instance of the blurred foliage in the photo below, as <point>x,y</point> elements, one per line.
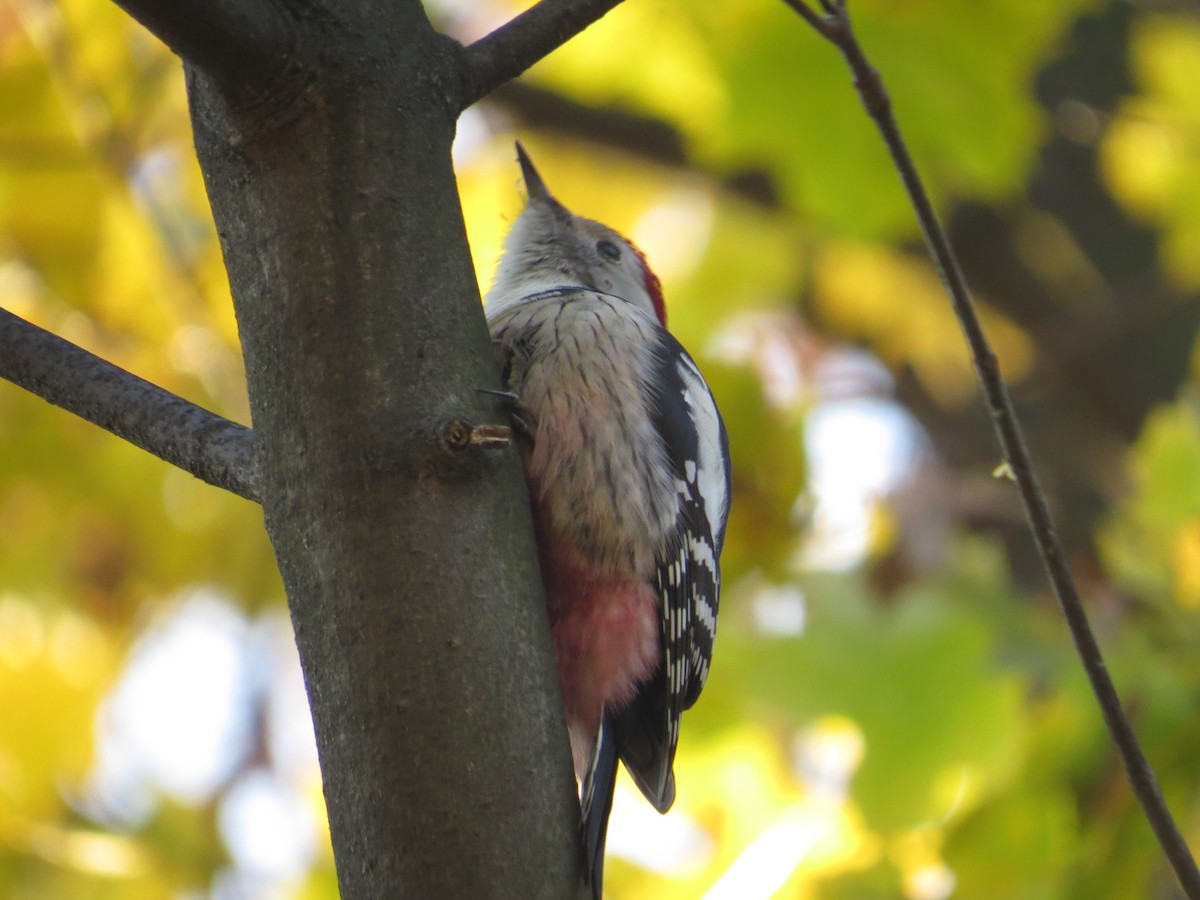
<point>1151,150</point>
<point>905,719</point>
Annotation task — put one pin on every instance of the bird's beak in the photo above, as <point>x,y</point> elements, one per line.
<point>534,186</point>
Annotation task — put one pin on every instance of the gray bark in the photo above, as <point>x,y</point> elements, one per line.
<point>409,566</point>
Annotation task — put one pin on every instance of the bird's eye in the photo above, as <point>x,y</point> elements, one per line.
<point>609,249</point>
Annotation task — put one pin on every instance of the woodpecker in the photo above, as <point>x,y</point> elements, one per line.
<point>627,462</point>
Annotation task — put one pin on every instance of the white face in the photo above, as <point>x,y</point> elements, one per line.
<point>549,246</point>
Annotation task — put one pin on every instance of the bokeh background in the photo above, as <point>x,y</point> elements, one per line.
<point>894,709</point>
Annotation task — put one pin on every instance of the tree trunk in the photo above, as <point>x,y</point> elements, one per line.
<point>409,565</point>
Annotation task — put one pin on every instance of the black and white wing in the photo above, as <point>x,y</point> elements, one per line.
<point>688,576</point>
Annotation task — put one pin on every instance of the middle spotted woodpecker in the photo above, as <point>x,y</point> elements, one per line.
<point>627,462</point>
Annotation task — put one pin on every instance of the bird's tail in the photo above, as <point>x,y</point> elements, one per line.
<point>596,803</point>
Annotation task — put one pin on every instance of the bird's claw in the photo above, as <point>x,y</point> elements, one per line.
<point>520,415</point>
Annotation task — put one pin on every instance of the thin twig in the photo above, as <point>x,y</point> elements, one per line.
<point>518,44</point>
<point>213,449</point>
<point>835,26</point>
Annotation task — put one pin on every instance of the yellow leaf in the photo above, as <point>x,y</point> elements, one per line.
<point>54,669</point>
<point>1185,563</point>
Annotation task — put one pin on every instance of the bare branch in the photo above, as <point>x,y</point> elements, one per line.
<point>213,449</point>
<point>514,47</point>
<point>811,16</point>
<point>235,41</point>
<point>834,25</point>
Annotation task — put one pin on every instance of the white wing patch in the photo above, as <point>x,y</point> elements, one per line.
<point>708,471</point>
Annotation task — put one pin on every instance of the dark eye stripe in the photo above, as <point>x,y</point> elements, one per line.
<point>609,249</point>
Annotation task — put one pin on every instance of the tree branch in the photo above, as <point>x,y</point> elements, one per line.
<point>235,41</point>
<point>213,449</point>
<point>515,46</point>
<point>834,25</point>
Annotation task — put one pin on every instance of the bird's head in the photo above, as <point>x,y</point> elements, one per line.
<point>548,246</point>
